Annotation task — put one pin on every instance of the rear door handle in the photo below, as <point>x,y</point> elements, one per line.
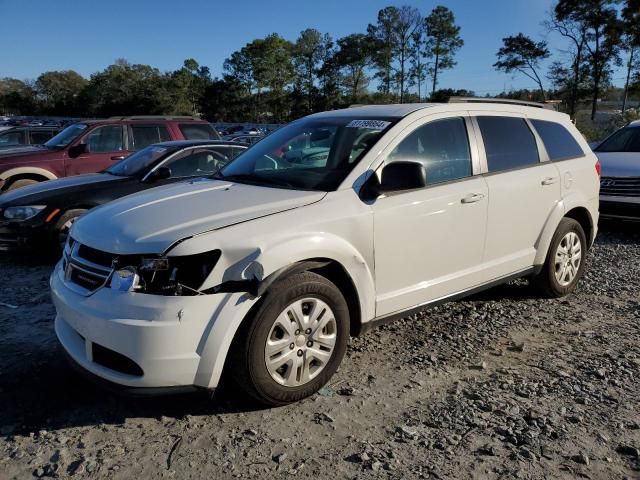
<point>118,157</point>
<point>472,198</point>
<point>549,180</point>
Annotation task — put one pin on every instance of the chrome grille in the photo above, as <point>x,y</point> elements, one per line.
<point>83,274</point>
<point>620,186</point>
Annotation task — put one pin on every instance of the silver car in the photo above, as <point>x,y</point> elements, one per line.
<point>619,156</point>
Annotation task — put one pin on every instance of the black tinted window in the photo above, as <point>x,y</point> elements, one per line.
<point>13,137</point>
<point>41,136</point>
<point>105,139</point>
<point>198,131</point>
<point>508,143</point>
<point>145,135</point>
<point>442,146</point>
<point>558,142</point>
<point>202,161</point>
<point>624,140</point>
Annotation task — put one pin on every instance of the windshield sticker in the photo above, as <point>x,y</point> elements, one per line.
<point>371,124</point>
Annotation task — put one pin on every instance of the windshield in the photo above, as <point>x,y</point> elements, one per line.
<point>624,140</point>
<point>309,154</point>
<point>66,136</point>
<point>137,162</point>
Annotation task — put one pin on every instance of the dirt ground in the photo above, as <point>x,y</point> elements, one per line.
<point>502,385</point>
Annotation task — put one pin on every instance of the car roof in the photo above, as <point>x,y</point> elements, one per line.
<point>402,110</point>
<point>143,119</point>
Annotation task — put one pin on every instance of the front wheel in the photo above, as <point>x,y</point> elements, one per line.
<point>62,227</point>
<point>294,342</point>
<point>564,264</point>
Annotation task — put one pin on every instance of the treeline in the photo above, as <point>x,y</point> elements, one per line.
<point>399,58</point>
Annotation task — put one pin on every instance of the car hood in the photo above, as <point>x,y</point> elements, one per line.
<point>619,164</point>
<point>42,191</point>
<point>25,150</point>
<point>152,221</point>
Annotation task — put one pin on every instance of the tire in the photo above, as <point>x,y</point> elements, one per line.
<point>62,226</point>
<point>553,281</point>
<point>301,374</point>
<point>20,183</point>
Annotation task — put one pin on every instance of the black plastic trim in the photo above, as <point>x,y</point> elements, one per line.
<point>376,322</point>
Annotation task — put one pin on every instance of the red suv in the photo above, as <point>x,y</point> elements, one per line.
<point>93,145</point>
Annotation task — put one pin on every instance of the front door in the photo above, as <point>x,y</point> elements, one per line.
<point>429,242</point>
<point>105,145</point>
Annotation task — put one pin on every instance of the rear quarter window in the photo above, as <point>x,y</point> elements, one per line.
<point>557,140</point>
<point>508,143</point>
<point>198,131</point>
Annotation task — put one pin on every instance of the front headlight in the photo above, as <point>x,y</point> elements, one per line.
<point>22,213</point>
<point>165,275</point>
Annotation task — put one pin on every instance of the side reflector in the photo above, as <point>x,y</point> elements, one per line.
<point>52,214</point>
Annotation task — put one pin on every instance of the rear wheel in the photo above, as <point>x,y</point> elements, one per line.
<point>23,182</point>
<point>294,342</point>
<point>564,264</point>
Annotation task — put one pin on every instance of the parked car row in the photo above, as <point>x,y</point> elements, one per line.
<point>333,224</point>
<point>38,217</point>
<point>93,145</point>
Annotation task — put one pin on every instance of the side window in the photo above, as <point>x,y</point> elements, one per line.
<point>235,151</point>
<point>145,135</point>
<point>13,137</point>
<point>201,161</point>
<point>40,136</point>
<point>198,131</point>
<point>508,143</point>
<point>442,146</point>
<point>105,139</point>
<point>558,142</point>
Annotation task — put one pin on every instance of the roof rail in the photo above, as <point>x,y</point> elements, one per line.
<point>509,101</point>
<point>155,117</point>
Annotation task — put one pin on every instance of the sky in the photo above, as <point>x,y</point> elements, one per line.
<point>88,35</point>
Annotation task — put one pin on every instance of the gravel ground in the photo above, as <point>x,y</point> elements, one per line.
<point>502,385</point>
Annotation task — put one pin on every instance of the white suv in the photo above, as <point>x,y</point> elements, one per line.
<point>329,226</point>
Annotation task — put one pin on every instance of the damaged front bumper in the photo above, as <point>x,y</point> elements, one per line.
<point>147,341</point>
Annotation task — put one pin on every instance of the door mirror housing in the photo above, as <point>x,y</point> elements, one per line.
<point>79,149</point>
<point>399,176</point>
<point>161,173</point>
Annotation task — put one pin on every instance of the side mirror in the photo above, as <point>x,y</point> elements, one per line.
<point>399,176</point>
<point>159,174</point>
<point>79,149</point>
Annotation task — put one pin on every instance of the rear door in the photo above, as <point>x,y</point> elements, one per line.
<point>524,188</point>
<point>106,144</point>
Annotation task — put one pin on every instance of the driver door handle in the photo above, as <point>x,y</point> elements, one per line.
<point>472,198</point>
<point>118,157</point>
<point>549,180</point>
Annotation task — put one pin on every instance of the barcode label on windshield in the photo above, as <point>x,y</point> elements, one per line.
<point>372,124</point>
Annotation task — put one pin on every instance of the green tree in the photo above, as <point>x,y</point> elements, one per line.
<point>520,53</point>
<point>226,100</point>
<point>385,41</point>
<point>187,85</point>
<point>603,28</point>
<point>418,69</point>
<point>17,97</point>
<point>354,55</point>
<point>309,52</point>
<point>58,92</point>
<point>408,22</point>
<point>570,82</point>
<point>631,18</point>
<point>444,94</point>
<point>128,89</point>
<point>443,41</point>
